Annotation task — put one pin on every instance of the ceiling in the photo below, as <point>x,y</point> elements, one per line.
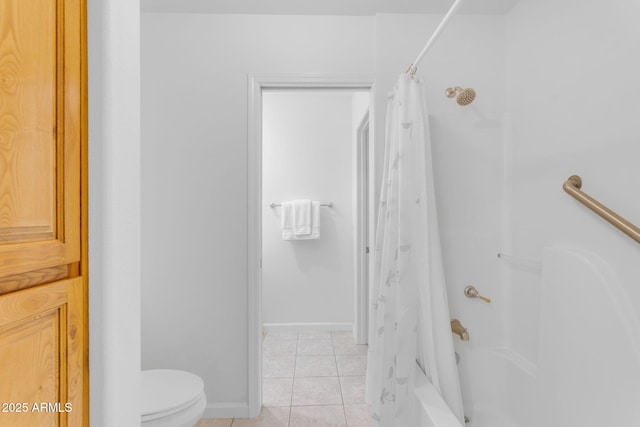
<point>326,7</point>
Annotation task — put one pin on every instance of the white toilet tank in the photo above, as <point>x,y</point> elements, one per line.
<point>171,398</point>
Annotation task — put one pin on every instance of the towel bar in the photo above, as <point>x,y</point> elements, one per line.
<point>328,204</point>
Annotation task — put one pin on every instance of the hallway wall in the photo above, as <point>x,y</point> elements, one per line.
<point>194,177</point>
<point>307,153</point>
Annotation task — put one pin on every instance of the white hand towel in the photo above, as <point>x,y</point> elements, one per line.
<point>286,221</point>
<point>301,217</point>
<point>315,224</point>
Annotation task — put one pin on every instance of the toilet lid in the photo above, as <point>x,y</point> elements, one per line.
<point>165,390</point>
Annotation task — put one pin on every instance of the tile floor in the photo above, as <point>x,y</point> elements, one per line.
<point>311,379</point>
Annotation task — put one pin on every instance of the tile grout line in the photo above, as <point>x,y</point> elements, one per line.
<point>293,382</point>
<point>344,412</point>
<point>339,377</point>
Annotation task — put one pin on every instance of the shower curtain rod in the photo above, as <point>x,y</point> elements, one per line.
<point>411,71</point>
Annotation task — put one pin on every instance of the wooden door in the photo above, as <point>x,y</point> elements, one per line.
<point>41,356</point>
<point>43,298</point>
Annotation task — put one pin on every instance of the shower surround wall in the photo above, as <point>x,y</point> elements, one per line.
<point>307,153</point>
<point>572,86</point>
<point>555,98</point>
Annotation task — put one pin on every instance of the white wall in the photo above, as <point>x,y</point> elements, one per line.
<point>307,153</point>
<point>114,212</point>
<point>572,88</point>
<point>194,177</point>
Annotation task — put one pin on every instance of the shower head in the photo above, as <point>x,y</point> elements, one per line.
<point>465,96</point>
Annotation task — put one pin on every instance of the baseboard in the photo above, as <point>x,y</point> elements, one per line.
<point>307,327</point>
<point>226,410</point>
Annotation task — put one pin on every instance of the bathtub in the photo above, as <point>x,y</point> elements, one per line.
<point>430,410</point>
<point>587,364</point>
<point>497,386</point>
<point>495,381</point>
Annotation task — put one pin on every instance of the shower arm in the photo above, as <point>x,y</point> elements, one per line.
<point>573,185</point>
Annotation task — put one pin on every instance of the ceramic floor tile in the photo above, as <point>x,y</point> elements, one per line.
<point>351,365</point>
<point>269,417</point>
<point>279,348</point>
<point>357,415</point>
<point>209,422</point>
<point>316,391</point>
<point>316,366</point>
<point>317,416</point>
<point>282,335</point>
<point>278,367</point>
<point>315,397</point>
<point>314,335</point>
<point>315,347</point>
<point>352,390</point>
<point>342,335</point>
<point>348,347</point>
<point>277,392</point>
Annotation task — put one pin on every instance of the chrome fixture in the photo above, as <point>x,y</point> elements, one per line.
<point>471,292</point>
<point>459,330</point>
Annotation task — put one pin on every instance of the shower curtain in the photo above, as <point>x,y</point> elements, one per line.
<point>409,314</point>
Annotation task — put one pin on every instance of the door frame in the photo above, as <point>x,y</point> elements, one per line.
<point>363,183</point>
<point>256,84</point>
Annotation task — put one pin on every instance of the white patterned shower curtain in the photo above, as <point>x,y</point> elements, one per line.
<point>409,313</point>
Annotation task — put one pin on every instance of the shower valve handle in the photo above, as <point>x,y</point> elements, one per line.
<point>471,292</point>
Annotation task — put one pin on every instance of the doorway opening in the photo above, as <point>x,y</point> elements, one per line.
<point>308,139</point>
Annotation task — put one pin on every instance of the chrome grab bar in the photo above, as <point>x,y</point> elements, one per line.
<point>573,186</point>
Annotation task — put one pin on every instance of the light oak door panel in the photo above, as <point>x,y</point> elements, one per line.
<point>40,134</point>
<point>43,214</point>
<point>44,326</point>
<point>28,187</point>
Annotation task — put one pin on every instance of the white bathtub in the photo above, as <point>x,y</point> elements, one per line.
<point>587,367</point>
<point>430,410</point>
<point>497,386</point>
<point>494,382</point>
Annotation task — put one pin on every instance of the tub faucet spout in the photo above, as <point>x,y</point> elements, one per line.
<point>459,330</point>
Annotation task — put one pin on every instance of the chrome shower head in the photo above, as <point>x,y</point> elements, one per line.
<point>465,96</point>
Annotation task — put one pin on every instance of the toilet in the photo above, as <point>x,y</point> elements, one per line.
<point>171,398</point>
